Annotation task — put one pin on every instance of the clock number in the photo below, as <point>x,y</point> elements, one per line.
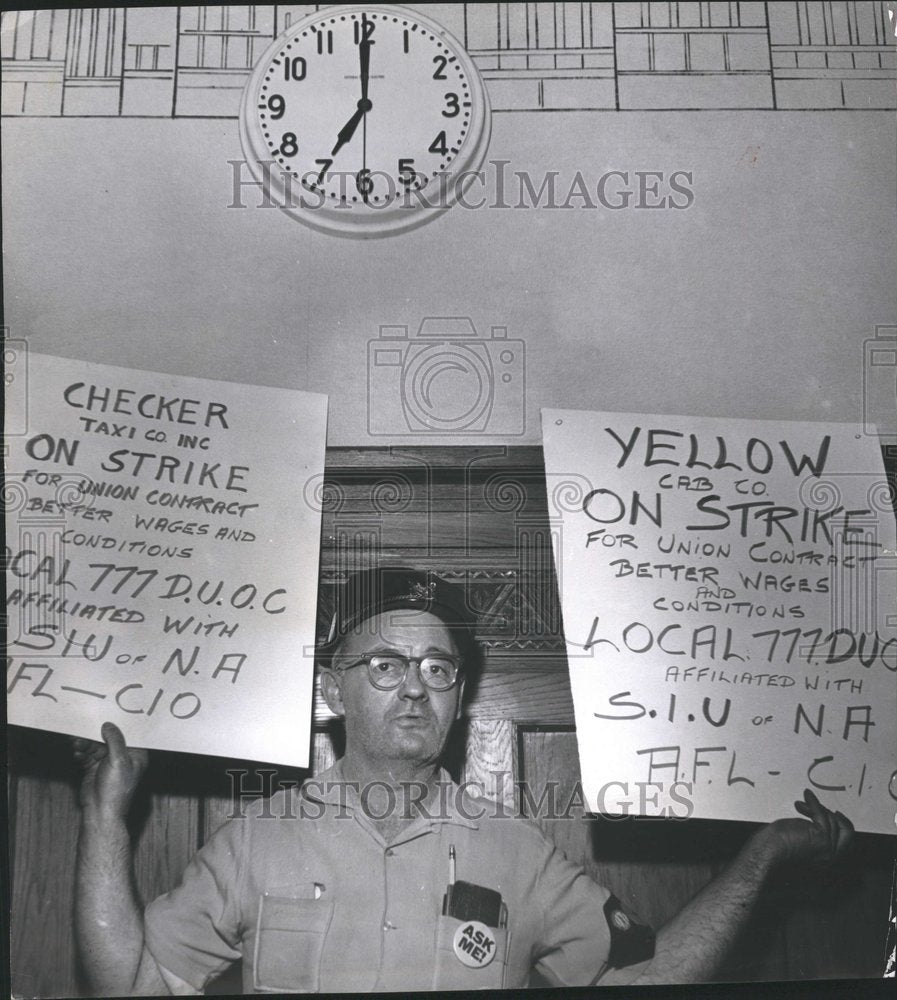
<point>407,174</point>
<point>277,106</point>
<point>288,144</point>
<point>363,31</point>
<point>439,145</point>
<point>295,68</point>
<point>441,62</point>
<point>325,166</point>
<point>321,46</point>
<point>406,41</point>
<point>364,183</point>
<point>453,108</point>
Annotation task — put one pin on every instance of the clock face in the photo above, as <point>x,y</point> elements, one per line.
<point>365,120</point>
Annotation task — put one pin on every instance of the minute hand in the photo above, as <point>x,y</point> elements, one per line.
<point>364,57</point>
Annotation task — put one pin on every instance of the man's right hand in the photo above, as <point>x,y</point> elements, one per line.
<point>111,772</point>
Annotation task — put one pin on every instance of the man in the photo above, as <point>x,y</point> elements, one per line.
<point>381,874</point>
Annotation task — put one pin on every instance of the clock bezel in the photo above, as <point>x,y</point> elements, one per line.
<point>357,220</point>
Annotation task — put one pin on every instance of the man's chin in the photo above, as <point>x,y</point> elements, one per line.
<point>416,741</point>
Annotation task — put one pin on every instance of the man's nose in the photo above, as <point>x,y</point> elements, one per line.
<point>413,686</point>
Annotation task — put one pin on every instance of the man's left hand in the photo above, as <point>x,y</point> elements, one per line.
<point>821,837</point>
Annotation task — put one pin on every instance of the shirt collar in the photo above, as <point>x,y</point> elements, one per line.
<point>453,805</point>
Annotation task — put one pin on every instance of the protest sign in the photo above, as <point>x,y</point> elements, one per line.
<point>162,559</point>
<point>728,594</point>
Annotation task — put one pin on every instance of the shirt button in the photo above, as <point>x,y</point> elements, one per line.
<point>388,925</point>
<point>390,853</point>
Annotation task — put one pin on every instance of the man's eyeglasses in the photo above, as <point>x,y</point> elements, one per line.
<point>388,670</point>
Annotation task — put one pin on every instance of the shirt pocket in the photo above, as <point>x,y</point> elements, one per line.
<point>289,943</point>
<point>452,974</point>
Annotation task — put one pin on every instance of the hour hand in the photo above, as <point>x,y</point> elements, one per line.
<point>348,130</point>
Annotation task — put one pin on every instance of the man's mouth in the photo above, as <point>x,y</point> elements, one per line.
<point>411,719</point>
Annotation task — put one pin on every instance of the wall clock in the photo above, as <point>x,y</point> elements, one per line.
<point>365,120</point>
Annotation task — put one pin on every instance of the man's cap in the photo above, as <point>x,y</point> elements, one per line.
<point>392,588</point>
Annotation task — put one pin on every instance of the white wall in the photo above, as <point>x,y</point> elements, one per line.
<point>754,302</point>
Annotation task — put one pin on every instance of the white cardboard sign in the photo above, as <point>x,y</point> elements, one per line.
<point>162,559</point>
<point>728,593</point>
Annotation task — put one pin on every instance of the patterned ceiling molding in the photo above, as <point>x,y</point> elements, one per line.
<point>192,62</point>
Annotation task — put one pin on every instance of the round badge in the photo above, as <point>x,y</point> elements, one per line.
<point>474,944</point>
<point>620,920</point>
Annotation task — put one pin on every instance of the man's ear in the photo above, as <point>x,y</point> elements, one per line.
<point>332,691</point>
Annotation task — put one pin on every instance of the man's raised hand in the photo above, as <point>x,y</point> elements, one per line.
<point>821,837</point>
<point>111,772</point>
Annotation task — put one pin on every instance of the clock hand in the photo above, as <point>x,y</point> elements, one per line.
<point>348,130</point>
<point>364,105</point>
<point>364,57</point>
<point>364,158</point>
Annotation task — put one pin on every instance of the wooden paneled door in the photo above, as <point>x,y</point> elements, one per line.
<point>478,517</point>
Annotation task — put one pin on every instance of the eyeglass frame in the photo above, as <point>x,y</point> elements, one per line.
<point>368,659</point>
